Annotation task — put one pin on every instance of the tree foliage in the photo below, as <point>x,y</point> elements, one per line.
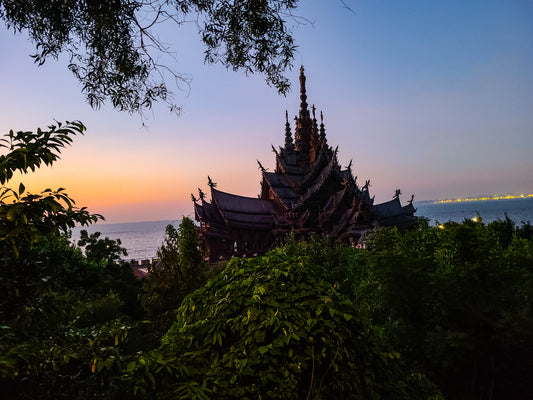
<point>314,320</point>
<point>273,327</point>
<point>456,301</point>
<point>98,250</point>
<point>26,217</point>
<point>179,272</point>
<point>66,324</point>
<point>114,49</point>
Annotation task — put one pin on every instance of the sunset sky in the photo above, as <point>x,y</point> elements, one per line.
<point>432,97</point>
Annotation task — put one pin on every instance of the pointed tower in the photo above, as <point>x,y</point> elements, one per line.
<point>322,127</point>
<point>315,139</point>
<point>314,131</point>
<point>289,145</point>
<point>304,125</point>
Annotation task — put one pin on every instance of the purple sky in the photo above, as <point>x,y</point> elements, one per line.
<point>435,98</point>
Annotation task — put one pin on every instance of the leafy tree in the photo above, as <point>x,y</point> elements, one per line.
<point>179,272</point>
<point>114,50</point>
<point>67,323</point>
<point>25,217</point>
<point>273,327</point>
<point>503,230</point>
<point>456,302</point>
<point>98,250</point>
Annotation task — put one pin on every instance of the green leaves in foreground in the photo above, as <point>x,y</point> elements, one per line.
<point>26,217</point>
<point>28,150</point>
<point>456,301</point>
<point>272,327</point>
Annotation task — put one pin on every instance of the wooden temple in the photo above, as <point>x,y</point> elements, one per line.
<point>308,192</point>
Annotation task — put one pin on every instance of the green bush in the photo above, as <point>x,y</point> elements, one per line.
<point>273,327</point>
<point>456,301</point>
<point>101,250</point>
<point>180,271</point>
<point>62,315</point>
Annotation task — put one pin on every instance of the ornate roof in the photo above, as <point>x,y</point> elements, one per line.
<point>245,212</point>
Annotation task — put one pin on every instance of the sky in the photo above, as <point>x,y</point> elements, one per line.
<point>434,98</point>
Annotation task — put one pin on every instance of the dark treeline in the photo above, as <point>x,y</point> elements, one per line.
<point>436,312</point>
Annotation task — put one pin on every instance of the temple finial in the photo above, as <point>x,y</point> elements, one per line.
<point>303,96</point>
<point>315,139</point>
<point>397,194</point>
<point>194,199</point>
<point>302,80</point>
<point>289,144</point>
<point>263,169</point>
<point>210,183</point>
<point>201,194</point>
<point>322,127</point>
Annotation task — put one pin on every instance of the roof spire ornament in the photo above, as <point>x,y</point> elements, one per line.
<point>322,127</point>
<point>304,124</point>
<point>397,194</point>
<point>210,183</point>
<point>263,169</point>
<point>303,96</point>
<point>314,129</point>
<point>194,199</point>
<point>201,194</point>
<point>289,144</point>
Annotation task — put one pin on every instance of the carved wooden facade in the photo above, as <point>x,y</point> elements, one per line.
<point>307,192</point>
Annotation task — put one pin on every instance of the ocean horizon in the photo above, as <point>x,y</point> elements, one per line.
<point>143,239</point>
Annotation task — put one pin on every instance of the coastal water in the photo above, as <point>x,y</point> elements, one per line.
<point>142,239</point>
<point>519,210</point>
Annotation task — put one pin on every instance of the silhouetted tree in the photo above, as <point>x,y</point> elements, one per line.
<point>114,49</point>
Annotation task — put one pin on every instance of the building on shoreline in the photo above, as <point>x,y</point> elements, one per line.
<point>308,192</point>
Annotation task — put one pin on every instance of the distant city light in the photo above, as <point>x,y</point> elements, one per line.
<point>485,198</point>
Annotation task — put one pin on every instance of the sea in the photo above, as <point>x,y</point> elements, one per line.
<point>142,239</point>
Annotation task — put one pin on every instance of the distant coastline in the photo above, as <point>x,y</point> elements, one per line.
<point>484,198</point>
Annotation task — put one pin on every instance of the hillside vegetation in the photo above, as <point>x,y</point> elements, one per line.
<point>431,313</point>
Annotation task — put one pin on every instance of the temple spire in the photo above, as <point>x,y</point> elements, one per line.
<point>304,124</point>
<point>322,127</point>
<point>289,145</point>
<point>314,129</point>
<point>303,97</point>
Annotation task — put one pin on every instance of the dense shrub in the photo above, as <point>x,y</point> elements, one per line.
<point>457,302</point>
<point>101,250</point>
<point>66,322</point>
<point>179,272</point>
<point>273,327</point>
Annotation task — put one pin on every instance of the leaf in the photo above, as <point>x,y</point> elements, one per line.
<point>12,212</point>
<point>21,188</point>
